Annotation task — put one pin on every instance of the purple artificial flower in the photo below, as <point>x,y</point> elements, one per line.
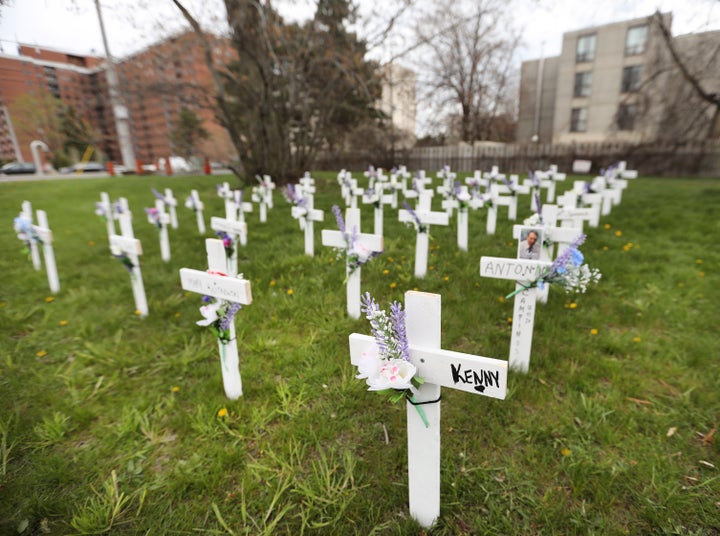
<point>339,218</point>
<point>227,318</point>
<point>397,316</point>
<point>421,227</point>
<point>158,195</point>
<point>538,205</point>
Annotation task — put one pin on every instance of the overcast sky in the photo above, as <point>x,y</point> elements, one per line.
<point>72,25</point>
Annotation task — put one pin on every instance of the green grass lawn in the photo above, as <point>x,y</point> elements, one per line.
<point>112,423</point>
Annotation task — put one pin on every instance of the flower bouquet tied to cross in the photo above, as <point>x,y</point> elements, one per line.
<point>461,195</point>
<point>101,209</point>
<point>153,215</point>
<point>26,232</point>
<point>124,259</point>
<point>385,365</point>
<point>261,193</point>
<point>420,227</point>
<point>218,316</point>
<point>567,271</point>
<point>355,252</point>
<point>192,203</point>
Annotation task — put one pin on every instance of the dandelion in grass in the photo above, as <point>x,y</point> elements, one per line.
<point>385,365</point>
<point>567,271</point>
<point>49,299</point>
<point>593,331</point>
<point>175,389</point>
<point>618,233</point>
<point>637,339</point>
<point>222,412</point>
<point>41,353</point>
<point>290,292</point>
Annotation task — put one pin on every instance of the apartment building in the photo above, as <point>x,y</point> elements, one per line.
<point>614,82</point>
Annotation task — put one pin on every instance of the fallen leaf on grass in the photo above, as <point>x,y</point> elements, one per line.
<point>671,431</point>
<point>639,401</point>
<point>706,464</point>
<point>670,388</point>
<point>707,439</point>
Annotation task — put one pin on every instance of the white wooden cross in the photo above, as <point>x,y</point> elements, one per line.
<point>355,192</point>
<point>104,209</point>
<point>216,284</point>
<point>439,368</point>
<point>561,237</point>
<point>422,218</point>
<point>193,203</point>
<point>160,219</point>
<point>127,244</point>
<point>307,214</point>
<point>377,197</point>
<point>368,243</point>
<point>41,232</point>
<point>235,209</point>
<point>511,197</point>
<point>171,204</point>
<point>548,180</point>
<point>592,200</point>
<point>524,302</point>
<point>224,192</point>
<point>307,184</point>
<point>234,229</point>
<point>460,199</point>
<point>27,214</point>
<point>572,216</point>
<point>262,194</point>
<point>344,179</point>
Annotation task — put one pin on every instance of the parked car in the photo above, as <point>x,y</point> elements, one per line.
<point>18,168</point>
<point>87,167</point>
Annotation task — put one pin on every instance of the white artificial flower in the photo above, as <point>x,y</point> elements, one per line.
<point>393,374</point>
<point>370,362</point>
<point>210,313</point>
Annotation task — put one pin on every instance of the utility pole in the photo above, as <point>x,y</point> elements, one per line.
<point>120,111</point>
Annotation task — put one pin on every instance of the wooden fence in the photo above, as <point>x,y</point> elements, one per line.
<point>699,159</point>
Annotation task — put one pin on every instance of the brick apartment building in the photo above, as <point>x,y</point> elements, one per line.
<point>155,83</point>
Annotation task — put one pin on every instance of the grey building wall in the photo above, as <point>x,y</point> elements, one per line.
<point>534,120</point>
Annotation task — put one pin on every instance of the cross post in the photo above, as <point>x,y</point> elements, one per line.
<point>422,217</point>
<point>523,319</point>
<point>216,284</point>
<point>193,202</point>
<point>438,368</point>
<point>27,213</point>
<point>371,243</point>
<point>127,244</point>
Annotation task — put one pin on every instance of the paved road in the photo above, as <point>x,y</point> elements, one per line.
<point>87,175</point>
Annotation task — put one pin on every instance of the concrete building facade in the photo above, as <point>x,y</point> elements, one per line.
<point>610,83</point>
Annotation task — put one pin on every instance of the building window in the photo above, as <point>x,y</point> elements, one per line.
<point>582,84</point>
<point>631,78</point>
<point>626,116</point>
<point>635,40</point>
<point>585,48</point>
<point>578,120</point>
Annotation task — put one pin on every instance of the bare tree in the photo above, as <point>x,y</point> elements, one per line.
<point>292,89</point>
<point>470,63</point>
<point>695,106</point>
